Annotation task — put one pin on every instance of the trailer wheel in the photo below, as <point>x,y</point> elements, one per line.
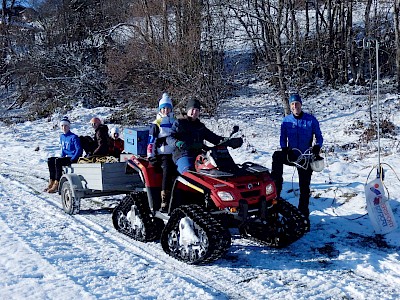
<point>70,204</point>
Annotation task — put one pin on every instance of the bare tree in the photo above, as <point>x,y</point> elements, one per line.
<point>397,40</point>
<point>175,46</point>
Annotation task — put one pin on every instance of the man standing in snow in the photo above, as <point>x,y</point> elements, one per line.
<point>71,150</point>
<point>297,133</point>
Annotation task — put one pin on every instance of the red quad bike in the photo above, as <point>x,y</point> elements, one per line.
<point>207,202</point>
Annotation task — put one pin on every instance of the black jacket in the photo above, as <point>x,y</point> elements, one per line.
<point>101,140</point>
<point>192,133</point>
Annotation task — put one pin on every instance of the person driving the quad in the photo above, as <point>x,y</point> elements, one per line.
<point>188,134</point>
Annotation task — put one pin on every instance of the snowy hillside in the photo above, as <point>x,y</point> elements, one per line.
<point>47,254</point>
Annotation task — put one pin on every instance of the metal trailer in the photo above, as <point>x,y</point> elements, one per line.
<point>94,180</point>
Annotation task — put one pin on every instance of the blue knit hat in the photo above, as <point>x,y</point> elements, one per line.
<point>295,98</point>
<point>165,101</point>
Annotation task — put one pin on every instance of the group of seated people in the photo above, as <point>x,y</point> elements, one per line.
<point>72,147</point>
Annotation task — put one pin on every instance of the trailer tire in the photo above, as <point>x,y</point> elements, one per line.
<point>71,204</point>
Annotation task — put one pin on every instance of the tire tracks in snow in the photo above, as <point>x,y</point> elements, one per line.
<point>228,278</point>
<point>98,228</point>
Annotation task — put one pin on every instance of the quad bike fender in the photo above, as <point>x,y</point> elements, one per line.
<point>189,184</point>
<point>150,176</point>
<point>184,191</point>
<point>76,185</point>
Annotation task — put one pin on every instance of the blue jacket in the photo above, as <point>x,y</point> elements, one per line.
<point>298,132</point>
<point>70,146</point>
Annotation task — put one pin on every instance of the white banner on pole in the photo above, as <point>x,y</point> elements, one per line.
<point>379,210</point>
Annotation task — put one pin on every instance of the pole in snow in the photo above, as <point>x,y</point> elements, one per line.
<point>366,44</point>
<point>379,170</point>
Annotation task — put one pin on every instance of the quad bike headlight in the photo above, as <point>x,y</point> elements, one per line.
<point>269,189</point>
<point>225,196</point>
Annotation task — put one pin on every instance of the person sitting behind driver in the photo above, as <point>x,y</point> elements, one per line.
<point>159,152</point>
<point>188,134</point>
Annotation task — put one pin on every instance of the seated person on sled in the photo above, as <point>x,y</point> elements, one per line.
<point>115,143</point>
<point>159,152</point>
<point>71,150</point>
<point>98,145</point>
<point>188,134</point>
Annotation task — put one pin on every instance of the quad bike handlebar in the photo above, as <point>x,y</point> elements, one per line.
<point>233,142</point>
<point>218,156</point>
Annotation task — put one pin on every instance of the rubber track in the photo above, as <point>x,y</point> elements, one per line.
<point>218,236</point>
<point>152,230</point>
<point>290,227</point>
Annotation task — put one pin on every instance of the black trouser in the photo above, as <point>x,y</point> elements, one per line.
<point>169,171</point>
<point>87,144</point>
<point>55,166</point>
<point>279,158</point>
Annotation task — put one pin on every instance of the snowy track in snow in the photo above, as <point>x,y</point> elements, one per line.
<point>98,235</point>
<point>88,251</point>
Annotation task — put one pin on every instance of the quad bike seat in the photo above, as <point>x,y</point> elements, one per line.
<point>215,173</point>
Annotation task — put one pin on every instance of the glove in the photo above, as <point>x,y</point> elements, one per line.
<point>316,149</point>
<point>196,146</point>
<point>285,151</point>
<point>235,142</point>
<point>181,145</point>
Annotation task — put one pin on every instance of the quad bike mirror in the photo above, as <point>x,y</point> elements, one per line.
<point>234,129</point>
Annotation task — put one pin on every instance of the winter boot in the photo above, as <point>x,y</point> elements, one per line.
<point>164,200</point>
<point>51,182</point>
<point>54,188</point>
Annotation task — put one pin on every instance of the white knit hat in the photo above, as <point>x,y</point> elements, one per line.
<point>165,101</point>
<point>65,121</point>
<point>114,130</point>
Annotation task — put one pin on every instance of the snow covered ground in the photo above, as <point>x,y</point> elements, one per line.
<point>47,254</point>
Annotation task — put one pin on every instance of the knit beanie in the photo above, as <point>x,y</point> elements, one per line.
<point>192,103</point>
<point>114,130</point>
<point>295,98</point>
<point>65,121</point>
<point>165,101</point>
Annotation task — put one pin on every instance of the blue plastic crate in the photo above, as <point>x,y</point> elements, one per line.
<point>135,140</point>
